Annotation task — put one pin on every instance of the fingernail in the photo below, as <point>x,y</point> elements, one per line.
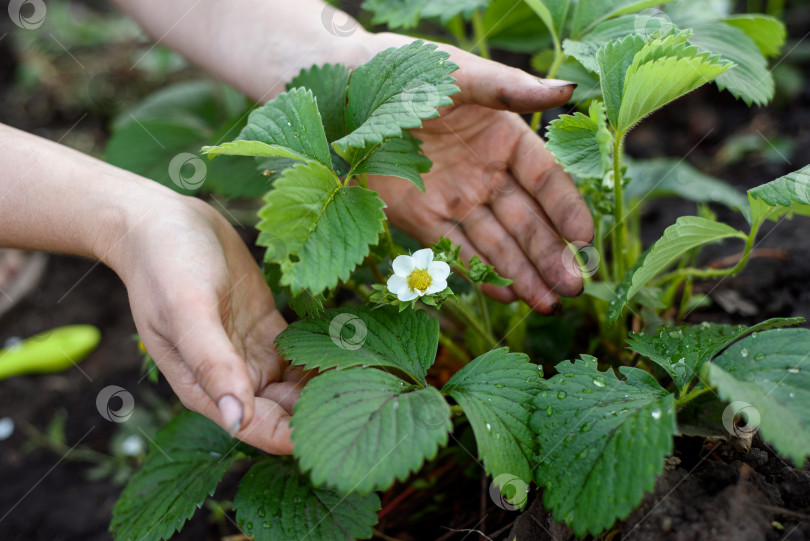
<point>557,83</point>
<point>231,411</point>
<point>556,309</point>
<point>581,291</point>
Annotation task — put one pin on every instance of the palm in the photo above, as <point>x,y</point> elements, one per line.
<point>495,190</point>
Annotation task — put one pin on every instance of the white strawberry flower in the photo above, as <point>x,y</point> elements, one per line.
<point>418,275</point>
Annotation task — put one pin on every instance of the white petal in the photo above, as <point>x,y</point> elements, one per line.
<point>406,295</point>
<point>396,284</point>
<point>436,286</point>
<point>403,265</point>
<point>439,270</point>
<point>422,258</point>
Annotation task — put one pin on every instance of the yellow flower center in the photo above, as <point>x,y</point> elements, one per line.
<point>419,279</point>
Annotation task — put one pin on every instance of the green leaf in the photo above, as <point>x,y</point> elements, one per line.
<point>682,350</point>
<point>276,502</point>
<point>613,60</point>
<point>664,70</point>
<point>545,15</point>
<point>769,33</point>
<point>687,233</point>
<point>586,48</point>
<point>190,448</point>
<point>395,91</point>
<point>254,148</point>
<point>292,121</point>
<point>310,216</point>
<point>602,442</point>
<point>589,13</point>
<point>399,157</point>
<point>606,291</point>
<point>355,336</point>
<point>496,391</point>
<point>407,13</point>
<point>328,84</point>
<point>480,273</point>
<point>582,144</point>
<point>360,429</point>
<point>749,78</point>
<point>771,372</point>
<point>180,119</point>
<point>513,26</point>
<point>663,177</point>
<point>444,10</point>
<point>790,193</point>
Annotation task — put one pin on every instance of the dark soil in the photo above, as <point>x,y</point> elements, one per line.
<point>710,490</point>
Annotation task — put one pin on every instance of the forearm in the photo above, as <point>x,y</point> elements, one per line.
<point>255,45</point>
<point>56,199</point>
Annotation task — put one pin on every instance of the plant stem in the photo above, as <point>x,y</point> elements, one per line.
<point>363,181</point>
<point>480,35</point>
<point>619,233</point>
<point>482,307</point>
<point>457,352</point>
<point>463,314</point>
<point>374,270</point>
<point>688,397</point>
<point>719,273</point>
<point>559,58</point>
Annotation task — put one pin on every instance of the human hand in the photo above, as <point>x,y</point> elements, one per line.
<point>494,189</point>
<point>208,319</point>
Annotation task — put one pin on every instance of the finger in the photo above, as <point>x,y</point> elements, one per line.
<point>269,429</point>
<point>522,217</point>
<point>468,250</point>
<point>509,260</point>
<point>219,370</point>
<point>535,169</point>
<point>284,393</point>
<point>497,86</point>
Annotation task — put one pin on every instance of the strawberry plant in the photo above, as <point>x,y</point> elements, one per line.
<point>595,434</point>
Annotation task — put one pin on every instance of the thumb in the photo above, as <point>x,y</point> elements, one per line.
<point>220,371</point>
<point>495,85</point>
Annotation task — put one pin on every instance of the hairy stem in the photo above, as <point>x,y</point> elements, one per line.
<point>465,316</point>
<point>619,231</point>
<point>688,397</point>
